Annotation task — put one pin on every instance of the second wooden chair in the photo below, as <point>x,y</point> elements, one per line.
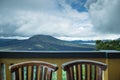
<point>84,70</point>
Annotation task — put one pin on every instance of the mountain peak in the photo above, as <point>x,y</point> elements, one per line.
<point>118,39</point>
<point>42,38</point>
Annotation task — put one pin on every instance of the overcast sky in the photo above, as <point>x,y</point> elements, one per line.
<point>64,19</point>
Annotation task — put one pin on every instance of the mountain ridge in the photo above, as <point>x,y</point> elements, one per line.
<point>43,43</point>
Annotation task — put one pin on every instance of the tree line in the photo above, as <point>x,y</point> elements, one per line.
<point>108,44</point>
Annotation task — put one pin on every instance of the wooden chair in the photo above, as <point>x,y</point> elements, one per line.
<point>32,70</point>
<point>84,70</point>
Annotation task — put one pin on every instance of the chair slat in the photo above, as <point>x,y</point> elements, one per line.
<point>88,71</point>
<point>41,72</point>
<point>45,73</point>
<point>80,71</point>
<point>17,74</point>
<point>22,73</point>
<point>68,73</point>
<point>49,74</point>
<point>38,72</point>
<point>99,73</point>
<point>32,71</point>
<point>72,72</point>
<point>76,67</point>
<point>26,73</point>
<point>29,72</point>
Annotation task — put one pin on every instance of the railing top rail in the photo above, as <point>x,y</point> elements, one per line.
<point>59,54</point>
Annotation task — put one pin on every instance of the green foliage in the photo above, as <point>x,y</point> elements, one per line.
<point>54,76</point>
<point>108,45</point>
<point>64,75</point>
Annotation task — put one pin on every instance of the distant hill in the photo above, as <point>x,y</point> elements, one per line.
<point>42,43</point>
<point>84,42</point>
<point>118,39</point>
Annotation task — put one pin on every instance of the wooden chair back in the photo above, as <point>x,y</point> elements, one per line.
<point>84,70</point>
<point>32,70</point>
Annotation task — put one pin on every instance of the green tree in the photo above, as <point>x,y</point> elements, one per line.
<point>108,45</point>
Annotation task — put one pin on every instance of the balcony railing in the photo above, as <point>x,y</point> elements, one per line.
<point>112,59</point>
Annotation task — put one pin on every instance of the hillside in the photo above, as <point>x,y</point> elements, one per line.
<point>42,43</point>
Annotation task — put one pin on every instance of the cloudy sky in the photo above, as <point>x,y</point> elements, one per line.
<point>64,19</point>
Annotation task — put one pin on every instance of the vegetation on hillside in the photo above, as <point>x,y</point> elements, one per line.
<point>108,44</point>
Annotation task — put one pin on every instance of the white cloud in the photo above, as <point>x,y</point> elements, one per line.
<point>14,37</point>
<point>89,3</point>
<point>58,22</point>
<point>51,17</point>
<point>105,15</point>
<point>56,25</point>
<point>97,37</point>
<point>33,5</point>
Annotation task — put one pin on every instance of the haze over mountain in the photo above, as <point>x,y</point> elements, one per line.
<point>43,43</point>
